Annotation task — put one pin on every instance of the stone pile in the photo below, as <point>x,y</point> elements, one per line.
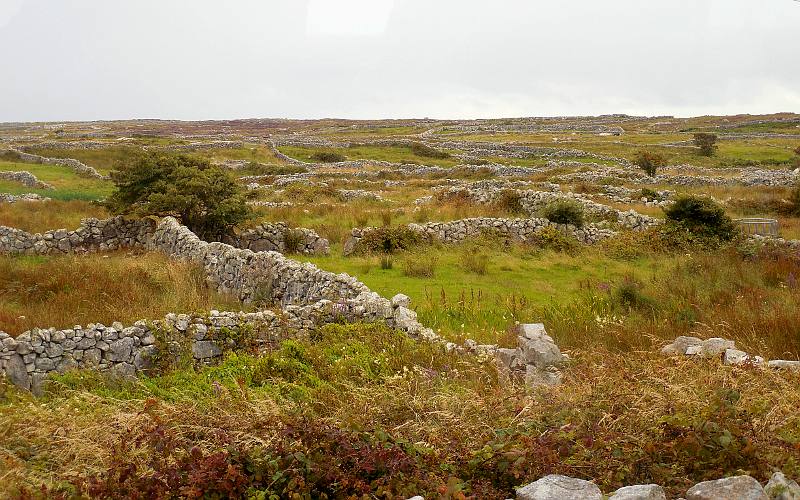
<point>556,487</point>
<point>13,198</point>
<point>537,359</point>
<point>347,195</point>
<point>724,349</point>
<point>273,237</point>
<point>25,178</point>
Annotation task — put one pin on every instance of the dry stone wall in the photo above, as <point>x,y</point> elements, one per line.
<point>77,166</point>
<point>25,178</point>
<point>275,237</point>
<point>13,198</point>
<point>533,201</point>
<point>522,230</point>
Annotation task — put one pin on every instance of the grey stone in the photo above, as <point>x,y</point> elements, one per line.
<point>555,487</point>
<point>203,349</point>
<point>120,350</point>
<point>401,300</point>
<point>716,346</point>
<point>540,352</point>
<point>780,487</point>
<point>735,357</point>
<point>123,370</point>
<point>44,364</point>
<point>737,487</point>
<point>639,492</point>
<point>680,345</point>
<point>778,364</point>
<point>17,373</point>
<point>143,359</point>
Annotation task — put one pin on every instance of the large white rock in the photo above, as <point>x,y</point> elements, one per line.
<point>730,488</point>
<point>639,492</point>
<point>555,487</point>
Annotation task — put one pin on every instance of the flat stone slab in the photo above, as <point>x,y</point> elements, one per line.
<point>555,487</point>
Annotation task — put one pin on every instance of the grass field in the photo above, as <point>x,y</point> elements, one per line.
<point>363,411</point>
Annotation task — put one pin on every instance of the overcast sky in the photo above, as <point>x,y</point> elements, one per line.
<point>209,59</point>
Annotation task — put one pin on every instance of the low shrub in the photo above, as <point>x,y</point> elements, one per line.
<point>701,216</point>
<point>649,162</point>
<point>389,240</point>
<point>551,238</point>
<point>426,151</point>
<point>793,207</point>
<point>328,157</point>
<point>293,241</point>
<point>650,194</point>
<point>509,201</point>
<point>563,212</point>
<point>705,142</point>
<point>419,266</point>
<point>629,294</point>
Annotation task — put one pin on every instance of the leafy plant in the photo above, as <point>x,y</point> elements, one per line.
<point>328,157</point>
<point>563,212</point>
<point>702,216</point>
<point>649,162</point>
<point>293,240</point>
<point>510,202</point>
<point>206,198</point>
<point>705,142</point>
<point>389,239</point>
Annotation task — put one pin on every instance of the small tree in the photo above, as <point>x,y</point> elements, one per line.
<point>649,162</point>
<point>702,216</point>
<point>205,198</point>
<point>563,212</point>
<point>706,142</point>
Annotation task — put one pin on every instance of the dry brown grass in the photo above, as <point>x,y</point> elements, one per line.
<point>613,418</point>
<point>37,217</point>
<point>62,291</point>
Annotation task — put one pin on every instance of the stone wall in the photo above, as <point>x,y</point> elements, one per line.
<point>13,198</point>
<point>126,351</point>
<point>273,237</point>
<point>25,178</point>
<point>75,165</point>
<point>522,230</point>
<point>533,201</point>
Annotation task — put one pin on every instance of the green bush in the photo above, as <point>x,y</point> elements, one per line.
<point>563,212</point>
<point>205,197</point>
<point>426,151</point>
<point>649,162</point>
<point>509,201</point>
<point>706,142</point>
<point>293,241</point>
<point>650,194</point>
<point>701,216</point>
<point>551,238</point>
<point>389,240</point>
<point>328,156</point>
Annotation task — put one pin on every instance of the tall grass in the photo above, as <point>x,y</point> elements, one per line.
<point>37,217</point>
<point>67,290</point>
